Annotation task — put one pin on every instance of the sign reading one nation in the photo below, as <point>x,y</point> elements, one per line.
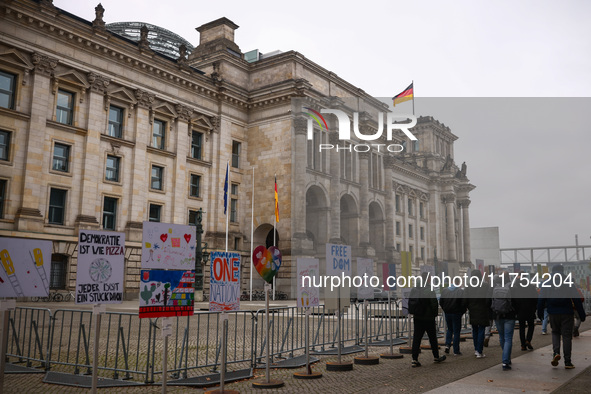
<point>168,246</point>
<point>166,293</point>
<point>308,274</point>
<point>25,267</point>
<point>101,261</point>
<point>224,288</point>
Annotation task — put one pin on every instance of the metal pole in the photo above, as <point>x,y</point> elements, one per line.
<point>165,364</point>
<point>308,340</point>
<point>223,364</point>
<point>97,336</point>
<point>339,322</point>
<point>390,320</point>
<point>365,303</point>
<point>252,235</point>
<point>6,316</point>
<point>268,360</point>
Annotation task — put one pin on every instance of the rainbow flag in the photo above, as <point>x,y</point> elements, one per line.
<point>276,202</point>
<point>405,95</point>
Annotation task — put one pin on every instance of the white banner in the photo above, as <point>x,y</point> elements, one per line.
<point>339,264</point>
<point>26,265</point>
<point>308,294</point>
<point>365,270</point>
<point>100,272</point>
<point>168,246</point>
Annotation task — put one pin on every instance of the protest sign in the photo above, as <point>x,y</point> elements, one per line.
<point>25,266</point>
<point>365,271</point>
<point>308,294</point>
<point>338,265</point>
<point>389,270</point>
<point>168,246</point>
<point>166,293</point>
<point>224,290</point>
<point>101,260</point>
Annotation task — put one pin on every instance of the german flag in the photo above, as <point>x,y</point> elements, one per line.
<point>406,95</point>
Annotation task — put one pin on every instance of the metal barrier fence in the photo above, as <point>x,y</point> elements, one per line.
<point>131,348</point>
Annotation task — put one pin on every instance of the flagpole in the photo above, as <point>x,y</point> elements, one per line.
<point>227,202</point>
<point>274,229</point>
<point>252,235</point>
<point>413,97</point>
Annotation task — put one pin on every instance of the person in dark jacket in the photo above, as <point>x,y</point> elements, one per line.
<point>478,304</point>
<point>503,308</point>
<point>422,303</point>
<point>526,302</point>
<point>452,303</point>
<point>560,301</point>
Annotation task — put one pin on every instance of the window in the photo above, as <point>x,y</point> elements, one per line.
<point>422,232</point>
<point>423,253</point>
<point>157,177</point>
<point>398,247</point>
<point>421,210</point>
<point>415,145</point>
<point>234,204</point>
<point>3,186</point>
<point>4,145</point>
<point>236,154</point>
<point>410,232</point>
<point>155,211</point>
<point>398,228</point>
<point>112,169</point>
<point>115,121</point>
<point>57,276</point>
<point>109,213</point>
<point>196,145</point>
<point>158,134</point>
<point>7,90</point>
<point>236,243</point>
<point>411,251</point>
<point>65,107</point>
<point>193,217</point>
<point>397,203</point>
<point>61,157</point>
<point>410,206</point>
<point>57,206</point>
<point>194,185</point>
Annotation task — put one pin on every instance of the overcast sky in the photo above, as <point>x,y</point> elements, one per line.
<point>530,159</point>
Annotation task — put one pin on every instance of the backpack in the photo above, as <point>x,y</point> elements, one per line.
<point>501,300</point>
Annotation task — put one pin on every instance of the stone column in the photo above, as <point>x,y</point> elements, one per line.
<point>300,161</point>
<point>138,210</point>
<point>390,208</point>
<point>335,201</point>
<point>466,230</point>
<point>29,216</point>
<point>449,200</point>
<point>363,199</point>
<point>182,134</point>
<point>89,216</point>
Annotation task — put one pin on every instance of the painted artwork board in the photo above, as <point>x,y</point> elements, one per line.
<point>25,266</point>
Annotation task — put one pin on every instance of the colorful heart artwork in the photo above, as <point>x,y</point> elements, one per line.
<point>187,237</point>
<point>164,237</point>
<point>267,262</point>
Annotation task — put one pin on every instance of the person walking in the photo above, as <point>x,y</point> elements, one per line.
<point>452,303</point>
<point>422,304</point>
<point>503,308</point>
<point>577,317</point>
<point>561,302</point>
<point>478,304</point>
<point>526,303</point>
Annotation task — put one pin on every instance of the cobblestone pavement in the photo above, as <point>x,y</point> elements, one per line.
<point>390,376</point>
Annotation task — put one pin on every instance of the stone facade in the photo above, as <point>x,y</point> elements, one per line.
<point>227,101</point>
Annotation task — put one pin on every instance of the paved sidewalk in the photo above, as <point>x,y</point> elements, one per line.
<point>530,373</point>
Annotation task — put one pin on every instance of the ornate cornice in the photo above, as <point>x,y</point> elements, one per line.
<point>98,83</point>
<point>144,99</point>
<point>465,203</point>
<point>448,198</point>
<point>184,113</point>
<point>44,65</point>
